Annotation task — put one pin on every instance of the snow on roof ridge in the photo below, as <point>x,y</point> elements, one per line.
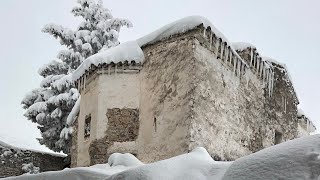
<point>242,45</point>
<point>127,51</point>
<point>179,26</point>
<point>33,150</point>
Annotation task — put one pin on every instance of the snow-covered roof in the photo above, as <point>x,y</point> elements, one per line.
<point>242,46</point>
<point>179,26</point>
<point>128,51</point>
<point>131,50</point>
<point>5,145</point>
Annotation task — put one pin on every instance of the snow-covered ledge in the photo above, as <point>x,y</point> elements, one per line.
<point>124,58</point>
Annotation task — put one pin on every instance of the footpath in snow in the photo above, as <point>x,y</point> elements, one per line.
<point>296,159</point>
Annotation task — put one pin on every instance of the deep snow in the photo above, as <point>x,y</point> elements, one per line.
<point>296,159</point>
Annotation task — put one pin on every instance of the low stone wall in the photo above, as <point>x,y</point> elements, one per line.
<point>12,160</point>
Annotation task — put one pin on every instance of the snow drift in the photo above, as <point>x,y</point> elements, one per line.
<point>295,159</point>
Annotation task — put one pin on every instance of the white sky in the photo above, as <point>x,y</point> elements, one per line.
<point>286,30</point>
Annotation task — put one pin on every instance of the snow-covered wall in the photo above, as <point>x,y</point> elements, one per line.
<point>12,159</point>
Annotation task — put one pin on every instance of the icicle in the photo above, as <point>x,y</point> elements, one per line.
<point>235,65</point>
<point>251,58</point>
<point>84,84</point>
<point>255,62</point>
<point>204,32</point>
<point>222,48</point>
<point>258,65</point>
<point>272,83</point>
<point>231,58</point>
<point>269,82</point>
<point>216,47</point>
<point>210,40</point>
<point>261,68</point>
<point>239,67</point>
<point>285,104</point>
<point>267,75</point>
<point>109,69</point>
<point>115,69</point>
<point>227,53</point>
<point>78,83</point>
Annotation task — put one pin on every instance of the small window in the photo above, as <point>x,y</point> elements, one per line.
<point>87,126</point>
<point>277,137</point>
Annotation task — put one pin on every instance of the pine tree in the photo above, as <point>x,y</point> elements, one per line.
<point>50,105</point>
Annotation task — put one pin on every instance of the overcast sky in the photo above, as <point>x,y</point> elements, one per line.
<point>286,30</point>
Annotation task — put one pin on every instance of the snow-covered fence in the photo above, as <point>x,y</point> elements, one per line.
<point>223,50</point>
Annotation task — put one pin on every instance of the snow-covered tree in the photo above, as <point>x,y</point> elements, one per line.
<point>50,104</point>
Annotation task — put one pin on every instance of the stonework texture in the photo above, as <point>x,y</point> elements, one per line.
<point>12,160</point>
<point>123,126</point>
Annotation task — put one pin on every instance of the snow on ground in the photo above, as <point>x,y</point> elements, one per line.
<point>296,159</point>
<point>128,51</point>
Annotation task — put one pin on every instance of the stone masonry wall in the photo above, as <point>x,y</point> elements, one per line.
<point>165,95</point>
<point>228,109</point>
<point>11,161</point>
<point>234,115</point>
<point>123,126</point>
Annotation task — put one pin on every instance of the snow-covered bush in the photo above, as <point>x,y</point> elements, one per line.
<point>50,105</point>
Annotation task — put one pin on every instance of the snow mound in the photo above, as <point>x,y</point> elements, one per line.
<point>242,46</point>
<point>295,159</point>
<point>180,26</point>
<point>197,164</point>
<point>126,159</point>
<point>128,51</point>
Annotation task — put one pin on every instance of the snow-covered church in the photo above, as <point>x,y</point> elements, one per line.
<point>182,86</point>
